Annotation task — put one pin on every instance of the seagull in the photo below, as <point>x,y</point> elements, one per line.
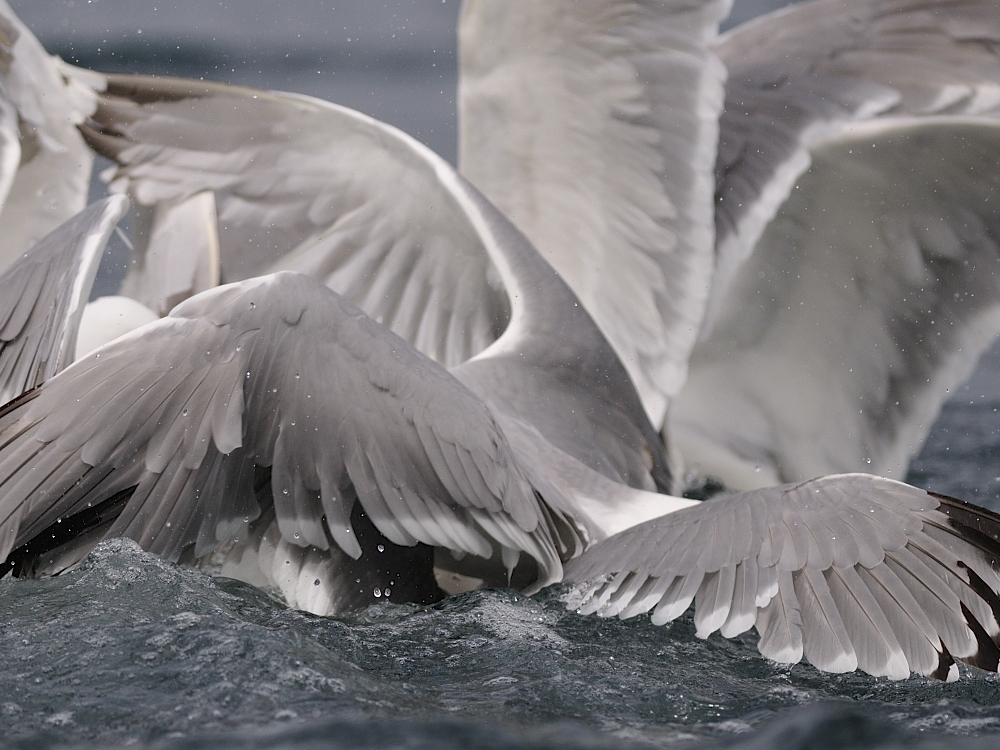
<point>785,232</point>
<point>276,431</point>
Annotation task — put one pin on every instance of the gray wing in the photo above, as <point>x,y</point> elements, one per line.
<point>593,126</point>
<point>801,74</point>
<point>304,185</point>
<point>868,300</point>
<point>42,100</point>
<point>168,435</point>
<point>43,294</point>
<point>850,571</point>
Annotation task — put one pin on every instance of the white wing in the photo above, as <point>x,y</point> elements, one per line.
<point>270,399</point>
<point>868,300</point>
<point>363,203</point>
<point>799,75</point>
<point>42,100</point>
<point>43,294</point>
<point>593,126</point>
<point>850,571</point>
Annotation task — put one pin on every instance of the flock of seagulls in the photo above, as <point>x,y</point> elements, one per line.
<point>667,258</point>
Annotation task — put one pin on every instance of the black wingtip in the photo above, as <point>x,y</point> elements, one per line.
<point>987,655</point>
<point>969,516</point>
<point>945,664</point>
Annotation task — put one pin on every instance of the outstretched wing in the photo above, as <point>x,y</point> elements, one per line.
<point>44,179</point>
<point>593,126</point>
<point>868,300</point>
<point>168,434</point>
<point>850,571</point>
<point>303,185</point>
<point>43,294</point>
<point>799,75</point>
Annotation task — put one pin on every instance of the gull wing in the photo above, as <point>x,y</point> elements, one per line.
<point>270,396</point>
<point>593,126</point>
<point>44,294</point>
<point>42,100</point>
<point>868,300</point>
<point>799,75</point>
<point>301,184</point>
<point>850,571</point>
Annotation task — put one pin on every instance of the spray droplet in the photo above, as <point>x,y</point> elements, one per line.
<point>378,593</point>
<point>381,548</point>
<point>316,582</point>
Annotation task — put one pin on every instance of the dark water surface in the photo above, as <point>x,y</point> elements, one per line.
<point>129,651</point>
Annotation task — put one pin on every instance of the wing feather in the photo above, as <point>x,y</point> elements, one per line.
<point>45,291</point>
<point>885,596</point>
<point>184,414</point>
<point>825,642</point>
<point>593,125</point>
